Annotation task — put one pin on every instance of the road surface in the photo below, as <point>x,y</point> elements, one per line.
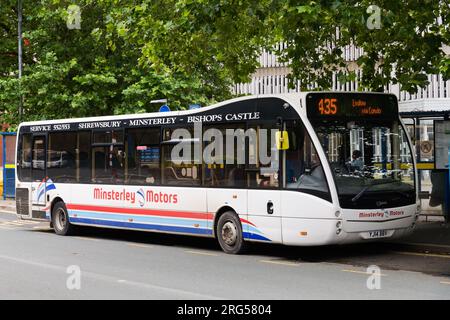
<point>111,264</point>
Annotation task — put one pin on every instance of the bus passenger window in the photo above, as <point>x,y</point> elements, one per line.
<point>143,156</point>
<point>263,157</point>
<point>83,158</point>
<point>24,158</point>
<point>108,157</point>
<point>61,156</point>
<point>304,171</point>
<point>180,167</point>
<point>38,159</point>
<point>225,168</point>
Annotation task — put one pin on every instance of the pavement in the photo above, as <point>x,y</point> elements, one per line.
<point>8,205</point>
<point>35,263</point>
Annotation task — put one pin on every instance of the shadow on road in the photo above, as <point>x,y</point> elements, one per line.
<point>385,255</point>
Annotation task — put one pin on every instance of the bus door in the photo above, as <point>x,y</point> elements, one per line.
<point>38,175</point>
<point>264,197</point>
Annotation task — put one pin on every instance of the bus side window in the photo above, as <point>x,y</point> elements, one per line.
<point>61,156</point>
<point>83,158</point>
<point>108,157</point>
<point>184,169</point>
<point>24,158</point>
<point>304,171</point>
<point>225,168</point>
<point>263,159</point>
<point>143,161</point>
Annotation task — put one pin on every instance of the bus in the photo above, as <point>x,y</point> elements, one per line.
<point>303,169</point>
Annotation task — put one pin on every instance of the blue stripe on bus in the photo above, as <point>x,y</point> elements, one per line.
<point>138,218</point>
<point>254,236</point>
<point>131,225</point>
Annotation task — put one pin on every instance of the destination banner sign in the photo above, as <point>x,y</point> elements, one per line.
<point>242,111</point>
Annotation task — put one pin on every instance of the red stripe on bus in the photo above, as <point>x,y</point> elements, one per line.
<point>148,212</point>
<point>248,222</point>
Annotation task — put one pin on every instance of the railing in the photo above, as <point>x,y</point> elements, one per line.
<point>271,78</point>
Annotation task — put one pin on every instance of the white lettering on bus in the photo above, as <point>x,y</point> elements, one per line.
<point>40,128</point>
<point>152,121</point>
<point>65,126</point>
<point>97,125</point>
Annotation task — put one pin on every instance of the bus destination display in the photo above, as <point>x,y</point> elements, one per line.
<point>331,105</point>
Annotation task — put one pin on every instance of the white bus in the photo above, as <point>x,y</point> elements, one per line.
<point>341,171</point>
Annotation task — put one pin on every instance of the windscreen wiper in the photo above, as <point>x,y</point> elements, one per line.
<point>359,195</point>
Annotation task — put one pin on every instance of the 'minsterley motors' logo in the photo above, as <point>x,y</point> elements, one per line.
<point>129,196</point>
<point>382,214</point>
<point>141,197</point>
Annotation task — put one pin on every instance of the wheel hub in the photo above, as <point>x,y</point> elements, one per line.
<point>229,233</point>
<point>60,219</point>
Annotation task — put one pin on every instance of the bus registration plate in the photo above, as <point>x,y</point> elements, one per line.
<point>377,234</point>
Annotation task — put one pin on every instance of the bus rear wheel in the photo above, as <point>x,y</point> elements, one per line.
<point>60,220</point>
<point>229,233</point>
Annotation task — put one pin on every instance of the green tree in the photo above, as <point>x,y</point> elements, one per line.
<point>128,53</point>
<point>403,49</point>
<point>89,71</point>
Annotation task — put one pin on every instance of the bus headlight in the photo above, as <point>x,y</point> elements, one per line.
<point>337,214</point>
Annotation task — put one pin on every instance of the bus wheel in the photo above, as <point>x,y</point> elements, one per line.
<point>229,233</point>
<point>60,220</point>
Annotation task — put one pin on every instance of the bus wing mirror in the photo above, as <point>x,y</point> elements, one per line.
<point>282,139</point>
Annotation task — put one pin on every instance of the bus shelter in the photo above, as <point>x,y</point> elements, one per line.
<point>432,159</point>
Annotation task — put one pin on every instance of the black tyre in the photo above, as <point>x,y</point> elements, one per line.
<point>229,233</point>
<point>60,220</point>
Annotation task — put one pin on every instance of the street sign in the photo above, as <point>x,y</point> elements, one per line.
<point>164,108</point>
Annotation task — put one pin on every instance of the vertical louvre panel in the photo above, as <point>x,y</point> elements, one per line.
<point>22,201</point>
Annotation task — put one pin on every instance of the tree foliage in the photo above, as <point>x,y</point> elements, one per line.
<point>128,53</point>
<point>403,48</point>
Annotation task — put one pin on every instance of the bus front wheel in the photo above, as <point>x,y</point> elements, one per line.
<point>60,220</point>
<point>229,233</point>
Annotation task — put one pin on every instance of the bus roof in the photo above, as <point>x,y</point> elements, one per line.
<point>288,96</point>
<point>294,99</point>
